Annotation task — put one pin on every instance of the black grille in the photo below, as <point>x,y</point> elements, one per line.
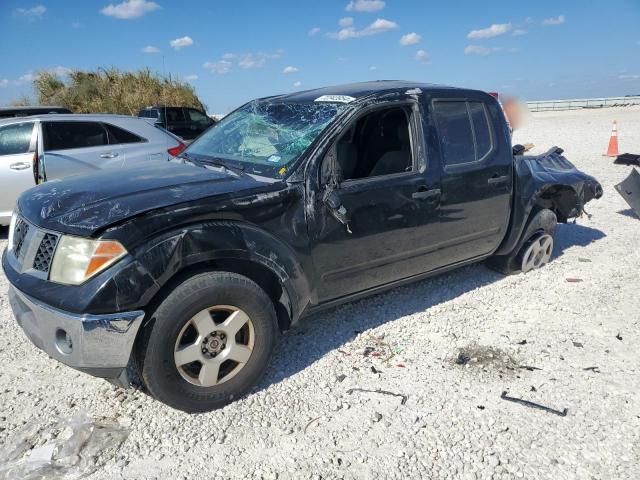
<point>43,258</point>
<point>20,231</point>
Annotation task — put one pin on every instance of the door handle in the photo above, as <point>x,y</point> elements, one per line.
<point>425,194</point>
<point>495,180</point>
<point>20,166</point>
<point>109,155</point>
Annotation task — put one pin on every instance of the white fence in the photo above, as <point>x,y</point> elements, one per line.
<point>579,103</point>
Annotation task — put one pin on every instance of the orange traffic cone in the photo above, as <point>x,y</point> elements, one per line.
<point>612,151</point>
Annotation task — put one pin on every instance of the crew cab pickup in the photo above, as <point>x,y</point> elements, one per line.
<point>187,273</point>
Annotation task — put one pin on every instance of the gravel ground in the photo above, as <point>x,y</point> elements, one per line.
<point>303,421</point>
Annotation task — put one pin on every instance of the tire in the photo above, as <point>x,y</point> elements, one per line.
<point>543,223</point>
<point>177,333</point>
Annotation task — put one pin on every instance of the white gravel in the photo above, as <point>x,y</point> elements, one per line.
<point>302,422</point>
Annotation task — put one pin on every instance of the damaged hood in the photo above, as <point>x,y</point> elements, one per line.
<point>83,205</point>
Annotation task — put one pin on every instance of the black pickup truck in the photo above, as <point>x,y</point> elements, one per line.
<point>189,271</point>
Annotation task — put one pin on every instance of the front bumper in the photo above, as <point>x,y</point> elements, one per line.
<point>97,344</point>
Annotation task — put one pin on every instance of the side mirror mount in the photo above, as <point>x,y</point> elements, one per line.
<point>333,202</point>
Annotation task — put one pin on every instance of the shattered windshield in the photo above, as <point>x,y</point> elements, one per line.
<point>263,137</point>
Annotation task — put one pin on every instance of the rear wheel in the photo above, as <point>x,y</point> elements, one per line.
<point>535,248</point>
<point>210,341</point>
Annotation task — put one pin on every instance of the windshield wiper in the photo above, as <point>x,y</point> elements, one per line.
<point>217,162</point>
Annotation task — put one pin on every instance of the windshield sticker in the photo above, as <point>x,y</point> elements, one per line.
<point>282,171</point>
<point>413,91</point>
<point>335,99</point>
<point>274,158</point>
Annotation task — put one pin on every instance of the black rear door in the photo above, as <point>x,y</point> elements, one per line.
<point>477,178</point>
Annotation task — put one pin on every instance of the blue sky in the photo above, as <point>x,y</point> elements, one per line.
<point>232,51</point>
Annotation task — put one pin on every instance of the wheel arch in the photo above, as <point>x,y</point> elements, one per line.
<point>233,247</point>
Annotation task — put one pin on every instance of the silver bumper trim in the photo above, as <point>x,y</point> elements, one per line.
<point>96,341</point>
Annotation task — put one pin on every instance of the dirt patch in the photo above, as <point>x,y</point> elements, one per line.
<point>474,355</point>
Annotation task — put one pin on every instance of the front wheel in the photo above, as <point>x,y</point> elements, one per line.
<point>209,342</point>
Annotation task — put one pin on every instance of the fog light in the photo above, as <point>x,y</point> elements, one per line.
<point>64,344</point>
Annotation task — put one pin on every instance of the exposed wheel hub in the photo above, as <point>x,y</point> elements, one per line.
<point>214,343</point>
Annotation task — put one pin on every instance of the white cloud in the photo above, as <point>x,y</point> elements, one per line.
<point>33,13</point>
<point>191,78</point>
<point>422,56</point>
<point>379,26</point>
<point>297,84</point>
<point>559,20</point>
<point>26,78</point>
<point>314,31</point>
<point>182,42</point>
<point>629,76</point>
<point>519,32</point>
<point>410,39</point>
<point>365,6</point>
<point>373,68</point>
<point>150,49</point>
<point>245,61</point>
<point>4,83</point>
<point>345,22</point>
<point>494,30</point>
<point>478,50</point>
<point>76,24</point>
<point>289,69</point>
<point>220,67</point>
<point>129,9</point>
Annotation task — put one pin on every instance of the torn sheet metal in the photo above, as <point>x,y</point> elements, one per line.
<point>629,189</point>
<point>541,178</point>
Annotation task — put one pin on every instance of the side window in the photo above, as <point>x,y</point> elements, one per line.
<point>143,114</point>
<point>119,135</point>
<point>481,129</point>
<point>378,143</point>
<point>175,115</point>
<point>15,138</point>
<point>68,135</point>
<point>153,113</point>
<point>196,116</point>
<point>454,129</point>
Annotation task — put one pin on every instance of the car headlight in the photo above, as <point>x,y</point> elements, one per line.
<point>78,259</point>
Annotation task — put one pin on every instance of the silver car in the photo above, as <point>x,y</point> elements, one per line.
<point>41,148</point>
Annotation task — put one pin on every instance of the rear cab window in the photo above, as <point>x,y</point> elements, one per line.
<point>70,135</point>
<point>464,131</point>
<point>16,138</point>
<point>174,115</point>
<point>119,135</point>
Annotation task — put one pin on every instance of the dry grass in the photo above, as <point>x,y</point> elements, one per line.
<point>113,91</point>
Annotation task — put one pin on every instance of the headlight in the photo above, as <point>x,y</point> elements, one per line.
<point>78,259</point>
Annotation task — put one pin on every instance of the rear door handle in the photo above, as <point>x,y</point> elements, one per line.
<point>495,180</point>
<point>425,194</point>
<point>20,166</point>
<point>109,155</point>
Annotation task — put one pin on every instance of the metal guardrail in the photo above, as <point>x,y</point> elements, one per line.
<point>580,103</point>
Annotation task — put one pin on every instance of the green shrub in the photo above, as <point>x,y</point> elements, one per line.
<point>113,91</point>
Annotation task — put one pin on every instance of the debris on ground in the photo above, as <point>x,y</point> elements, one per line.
<point>527,403</point>
<point>574,280</point>
<point>629,189</point>
<point>73,448</point>
<point>341,378</point>
<point>377,417</point>
<point>627,159</point>
<point>375,370</point>
<point>592,369</point>
<point>529,367</point>
<point>578,344</point>
<point>383,392</point>
<point>619,337</point>
<point>584,260</point>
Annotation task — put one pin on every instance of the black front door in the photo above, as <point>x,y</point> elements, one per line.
<point>390,235</point>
